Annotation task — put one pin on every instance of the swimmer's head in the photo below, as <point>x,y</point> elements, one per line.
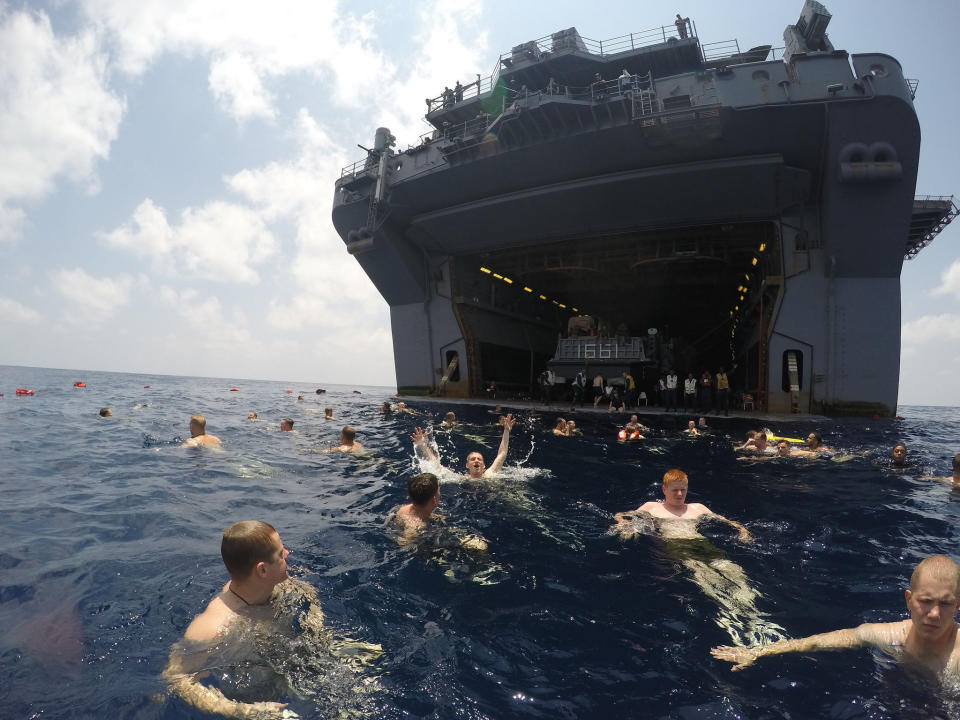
<point>106,412</point>
<point>899,454</point>
<point>475,465</point>
<point>956,463</point>
<point>673,476</point>
<point>783,448</point>
<point>423,488</point>
<point>246,544</point>
<point>347,435</point>
<point>328,413</point>
<point>299,397</point>
<point>385,408</point>
<point>251,415</point>
<point>198,425</point>
<point>702,422</point>
<point>751,434</point>
<point>449,418</point>
<point>571,425</point>
<point>561,424</point>
<point>814,440</point>
<point>760,439</point>
<point>401,406</point>
<point>692,425</point>
<point>937,566</point>
<point>286,425</point>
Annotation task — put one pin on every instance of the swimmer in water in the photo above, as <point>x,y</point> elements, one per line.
<point>402,407</point>
<point>449,420</point>
<point>424,492</point>
<point>476,467</point>
<point>348,444</point>
<point>572,428</point>
<point>198,433</point>
<point>251,415</point>
<point>640,425</point>
<point>759,447</point>
<point>898,456</point>
<point>386,408</point>
<point>955,478</point>
<point>815,443</point>
<point>692,428</point>
<point>286,425</point>
<point>561,427</point>
<point>928,640</point>
<point>257,562</point>
<point>722,580</point>
<point>328,413</point>
<point>106,412</point>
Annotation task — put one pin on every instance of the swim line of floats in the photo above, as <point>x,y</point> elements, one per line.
<point>80,385</point>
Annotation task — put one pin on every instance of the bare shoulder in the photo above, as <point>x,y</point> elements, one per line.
<point>883,634</point>
<point>649,507</point>
<point>212,622</point>
<point>698,510</point>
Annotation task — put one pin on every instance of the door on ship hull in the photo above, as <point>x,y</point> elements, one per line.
<point>694,285</point>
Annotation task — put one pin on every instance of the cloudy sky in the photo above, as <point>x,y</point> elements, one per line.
<point>167,169</point>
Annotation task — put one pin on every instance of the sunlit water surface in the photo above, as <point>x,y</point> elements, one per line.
<point>109,545</point>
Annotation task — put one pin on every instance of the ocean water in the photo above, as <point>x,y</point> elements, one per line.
<point>109,545</point>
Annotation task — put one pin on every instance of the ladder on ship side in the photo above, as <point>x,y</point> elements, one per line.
<point>793,376</point>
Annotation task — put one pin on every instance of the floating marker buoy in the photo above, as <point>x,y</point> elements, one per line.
<point>234,389</point>
<point>289,391</point>
<point>79,384</point>
<point>145,387</point>
<point>24,391</point>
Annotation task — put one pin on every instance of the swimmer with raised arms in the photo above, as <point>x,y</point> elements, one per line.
<point>476,467</point>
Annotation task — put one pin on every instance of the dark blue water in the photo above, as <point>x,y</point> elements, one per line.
<point>109,545</point>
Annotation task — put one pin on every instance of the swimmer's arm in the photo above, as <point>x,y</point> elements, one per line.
<point>745,535</point>
<point>867,634</point>
<point>420,441</point>
<point>504,446</point>
<point>209,699</point>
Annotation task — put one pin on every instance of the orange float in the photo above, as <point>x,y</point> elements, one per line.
<point>145,387</point>
<point>24,391</point>
<point>289,391</point>
<point>79,384</point>
<point>234,389</point>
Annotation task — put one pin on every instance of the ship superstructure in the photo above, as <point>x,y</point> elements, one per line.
<point>649,203</point>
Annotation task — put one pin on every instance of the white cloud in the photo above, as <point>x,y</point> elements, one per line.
<point>15,312</point>
<point>92,300</point>
<point>205,316</point>
<point>927,328</point>
<point>949,281</point>
<point>218,241</point>
<point>238,88</point>
<point>57,116</point>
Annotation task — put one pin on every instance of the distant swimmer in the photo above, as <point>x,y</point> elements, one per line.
<point>759,446</point>
<point>692,428</point>
<point>631,431</point>
<point>785,449</point>
<point>256,559</point>
<point>348,444</point>
<point>449,420</point>
<point>702,424</point>
<point>955,478</point>
<point>476,467</point>
<point>402,408</point>
<point>898,456</point>
<point>561,427</point>
<point>719,578</point>
<point>328,413</point>
<point>386,408</point>
<point>928,641</point>
<point>251,415</point>
<point>815,443</point>
<point>424,492</point>
<point>106,412</point>
<point>286,425</point>
<point>299,398</point>
<point>640,425</point>
<point>198,433</point>
<point>572,428</point>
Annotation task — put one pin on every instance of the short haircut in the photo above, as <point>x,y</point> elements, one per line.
<point>956,462</point>
<point>817,437</point>
<point>941,567</point>
<point>288,421</point>
<point>348,433</point>
<point>200,420</point>
<point>422,488</point>
<point>328,411</point>
<point>751,434</point>
<point>675,476</point>
<point>245,544</point>
<point>450,417</point>
<point>560,422</point>
<point>105,412</point>
<point>899,445</point>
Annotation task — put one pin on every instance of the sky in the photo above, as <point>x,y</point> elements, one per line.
<point>167,169</point>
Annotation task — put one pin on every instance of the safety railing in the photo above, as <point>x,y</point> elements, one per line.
<point>559,42</point>
<point>716,50</point>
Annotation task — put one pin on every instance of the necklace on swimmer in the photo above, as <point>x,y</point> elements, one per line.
<point>230,588</point>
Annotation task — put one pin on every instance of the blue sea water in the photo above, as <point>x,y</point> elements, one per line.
<point>109,545</point>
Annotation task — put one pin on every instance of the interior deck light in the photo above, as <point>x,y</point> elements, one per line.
<point>543,297</point>
<point>485,270</point>
<point>753,262</point>
<point>528,289</point>
<point>763,246</point>
<point>507,280</point>
<point>498,276</point>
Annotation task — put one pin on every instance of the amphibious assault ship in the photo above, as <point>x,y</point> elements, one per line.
<point>651,202</point>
